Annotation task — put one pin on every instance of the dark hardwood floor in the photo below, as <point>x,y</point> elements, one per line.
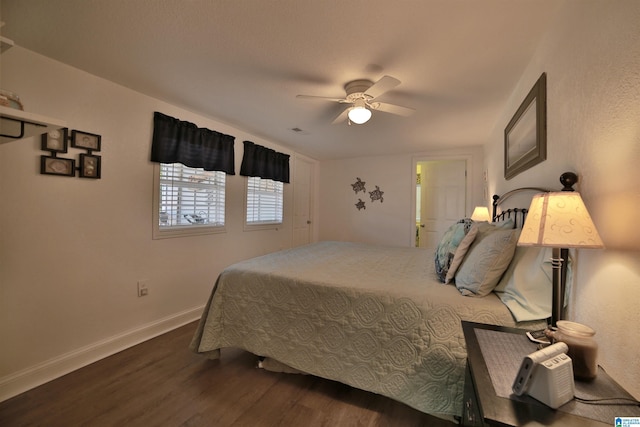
<point>161,383</point>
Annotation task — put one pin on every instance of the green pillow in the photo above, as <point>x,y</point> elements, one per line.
<point>446,249</point>
<point>486,261</point>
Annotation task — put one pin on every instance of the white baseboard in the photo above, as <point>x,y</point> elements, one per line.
<point>26,379</point>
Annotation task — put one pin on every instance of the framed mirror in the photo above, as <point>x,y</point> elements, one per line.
<point>525,137</point>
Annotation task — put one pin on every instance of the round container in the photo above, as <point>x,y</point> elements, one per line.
<point>12,98</point>
<point>583,349</point>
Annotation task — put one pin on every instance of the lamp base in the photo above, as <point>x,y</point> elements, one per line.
<point>559,276</point>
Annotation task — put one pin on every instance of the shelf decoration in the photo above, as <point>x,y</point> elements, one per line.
<point>57,141</point>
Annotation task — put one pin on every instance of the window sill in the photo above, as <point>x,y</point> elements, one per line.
<point>267,226</point>
<point>186,232</point>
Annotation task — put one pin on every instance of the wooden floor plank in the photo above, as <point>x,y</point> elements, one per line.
<point>161,383</point>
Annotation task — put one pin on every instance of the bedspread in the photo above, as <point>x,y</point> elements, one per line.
<point>373,317</point>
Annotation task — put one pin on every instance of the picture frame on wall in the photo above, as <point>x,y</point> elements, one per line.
<point>525,137</point>
<point>88,141</point>
<point>90,166</point>
<point>51,165</point>
<point>55,140</point>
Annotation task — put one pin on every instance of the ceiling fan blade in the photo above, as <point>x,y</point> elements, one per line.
<point>342,117</point>
<point>321,98</point>
<point>386,83</point>
<point>392,109</point>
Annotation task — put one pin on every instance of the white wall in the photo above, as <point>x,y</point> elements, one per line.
<point>592,59</point>
<point>391,222</point>
<point>72,250</point>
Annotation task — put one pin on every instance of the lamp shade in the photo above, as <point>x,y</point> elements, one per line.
<point>359,113</point>
<point>481,213</point>
<point>559,220</point>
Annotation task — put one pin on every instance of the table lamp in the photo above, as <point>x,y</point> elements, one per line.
<point>481,213</point>
<point>559,220</point>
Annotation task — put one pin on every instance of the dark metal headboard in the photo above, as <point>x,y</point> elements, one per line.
<point>567,179</point>
<point>517,214</point>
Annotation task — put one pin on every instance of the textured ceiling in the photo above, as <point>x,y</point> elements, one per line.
<point>244,61</point>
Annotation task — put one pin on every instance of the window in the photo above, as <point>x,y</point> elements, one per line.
<point>264,201</point>
<point>188,201</point>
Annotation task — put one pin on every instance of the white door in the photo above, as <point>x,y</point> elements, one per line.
<point>443,188</point>
<point>302,201</point>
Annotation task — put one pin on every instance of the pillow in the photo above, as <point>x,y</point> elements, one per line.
<point>461,251</point>
<point>486,261</point>
<point>503,224</point>
<point>526,287</point>
<point>451,251</point>
<point>448,245</point>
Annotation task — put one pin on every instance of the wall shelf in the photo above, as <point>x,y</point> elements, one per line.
<point>5,44</point>
<point>17,124</point>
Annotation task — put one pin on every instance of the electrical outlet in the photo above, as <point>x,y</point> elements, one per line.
<point>143,289</point>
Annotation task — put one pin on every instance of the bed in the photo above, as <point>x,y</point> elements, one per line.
<point>374,317</point>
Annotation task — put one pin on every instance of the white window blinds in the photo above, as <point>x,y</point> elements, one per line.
<point>190,197</point>
<point>264,201</point>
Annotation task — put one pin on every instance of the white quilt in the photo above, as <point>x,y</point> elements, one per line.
<point>373,317</point>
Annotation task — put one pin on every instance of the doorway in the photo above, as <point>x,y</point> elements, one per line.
<point>441,198</point>
<point>303,201</point>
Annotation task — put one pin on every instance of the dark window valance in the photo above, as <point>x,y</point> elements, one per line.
<point>264,163</point>
<point>177,141</point>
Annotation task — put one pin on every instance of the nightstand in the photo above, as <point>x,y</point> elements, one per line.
<point>486,405</point>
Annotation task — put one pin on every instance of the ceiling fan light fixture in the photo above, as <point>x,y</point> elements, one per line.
<point>359,114</point>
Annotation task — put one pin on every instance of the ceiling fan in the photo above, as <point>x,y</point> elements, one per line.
<point>362,94</point>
